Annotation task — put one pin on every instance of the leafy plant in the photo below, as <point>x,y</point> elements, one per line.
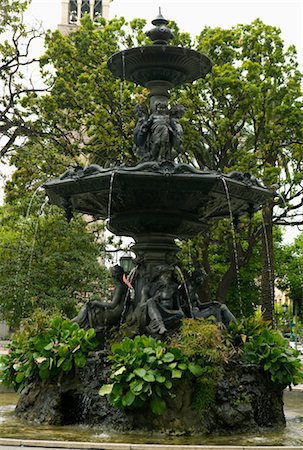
<point>259,343</point>
<point>202,342</point>
<point>45,348</point>
<point>272,352</point>
<point>145,373</point>
<point>243,330</point>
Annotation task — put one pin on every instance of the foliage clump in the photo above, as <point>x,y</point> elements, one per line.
<point>145,372</point>
<point>259,343</point>
<point>203,343</point>
<point>45,347</point>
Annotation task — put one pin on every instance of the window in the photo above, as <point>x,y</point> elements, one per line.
<point>85,7</point>
<point>97,9</point>
<point>73,11</point>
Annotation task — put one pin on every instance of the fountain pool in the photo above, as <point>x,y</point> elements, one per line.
<point>291,435</point>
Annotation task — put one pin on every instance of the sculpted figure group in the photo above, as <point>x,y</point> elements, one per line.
<point>159,304</point>
<point>158,136</point>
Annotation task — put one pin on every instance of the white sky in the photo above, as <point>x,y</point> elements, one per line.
<point>193,15</point>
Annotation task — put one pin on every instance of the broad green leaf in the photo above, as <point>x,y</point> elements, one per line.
<point>149,377</point>
<point>140,372</point>
<point>119,371</point>
<point>136,386</point>
<point>158,405</point>
<point>67,365</point>
<point>49,346</point>
<point>128,399</point>
<point>196,370</point>
<point>19,377</point>
<point>168,357</point>
<point>176,373</point>
<point>40,359</point>
<point>160,379</point>
<point>106,389</point>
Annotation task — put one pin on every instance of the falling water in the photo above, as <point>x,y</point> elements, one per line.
<point>129,294</point>
<point>269,265</point>
<point>122,89</point>
<point>186,291</point>
<point>20,249</point>
<point>234,242</point>
<point>26,290</point>
<point>110,194</point>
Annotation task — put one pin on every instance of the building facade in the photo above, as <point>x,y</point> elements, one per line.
<point>73,10</point>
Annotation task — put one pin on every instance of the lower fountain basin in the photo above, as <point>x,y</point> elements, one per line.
<point>155,197</point>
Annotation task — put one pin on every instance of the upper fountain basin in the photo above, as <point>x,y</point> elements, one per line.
<point>172,64</point>
<point>156,197</point>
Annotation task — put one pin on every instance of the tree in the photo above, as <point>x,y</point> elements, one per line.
<point>246,115</point>
<point>46,262</point>
<point>290,273</point>
<point>16,62</point>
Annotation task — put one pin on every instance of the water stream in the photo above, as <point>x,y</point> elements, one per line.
<point>234,241</point>
<point>291,435</point>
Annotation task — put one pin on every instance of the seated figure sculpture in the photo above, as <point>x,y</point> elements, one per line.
<point>158,308</point>
<point>103,314</point>
<point>203,309</point>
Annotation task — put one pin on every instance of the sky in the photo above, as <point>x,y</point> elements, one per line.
<point>192,16</point>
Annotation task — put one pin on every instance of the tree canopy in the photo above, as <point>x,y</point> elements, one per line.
<point>246,115</point>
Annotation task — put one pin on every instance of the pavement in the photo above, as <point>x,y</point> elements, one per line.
<point>11,444</point>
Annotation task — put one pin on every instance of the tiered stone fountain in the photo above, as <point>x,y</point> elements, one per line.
<point>155,202</point>
<point>158,200</point>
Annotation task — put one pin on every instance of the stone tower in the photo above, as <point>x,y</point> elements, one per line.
<point>73,10</point>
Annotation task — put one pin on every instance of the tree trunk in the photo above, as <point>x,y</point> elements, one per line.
<point>267,282</point>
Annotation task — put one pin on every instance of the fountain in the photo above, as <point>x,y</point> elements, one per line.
<point>156,202</point>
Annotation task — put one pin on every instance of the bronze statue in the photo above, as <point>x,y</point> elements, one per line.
<point>160,133</point>
<point>158,308</point>
<point>176,113</point>
<point>158,137</point>
<point>206,309</point>
<point>103,314</point>
<point>141,131</point>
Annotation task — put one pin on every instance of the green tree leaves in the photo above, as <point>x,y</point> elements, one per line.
<point>46,263</point>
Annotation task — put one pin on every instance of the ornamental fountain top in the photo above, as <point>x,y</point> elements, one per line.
<point>159,67</point>
<point>158,200</point>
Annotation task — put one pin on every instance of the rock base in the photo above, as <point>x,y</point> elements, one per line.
<point>245,400</point>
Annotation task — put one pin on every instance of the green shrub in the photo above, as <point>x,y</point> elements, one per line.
<point>202,342</point>
<point>258,342</point>
<point>243,330</point>
<point>272,352</point>
<point>145,373</point>
<point>44,348</point>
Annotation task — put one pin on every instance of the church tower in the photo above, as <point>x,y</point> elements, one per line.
<point>73,10</point>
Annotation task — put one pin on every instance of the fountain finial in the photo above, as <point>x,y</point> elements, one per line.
<point>160,34</point>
